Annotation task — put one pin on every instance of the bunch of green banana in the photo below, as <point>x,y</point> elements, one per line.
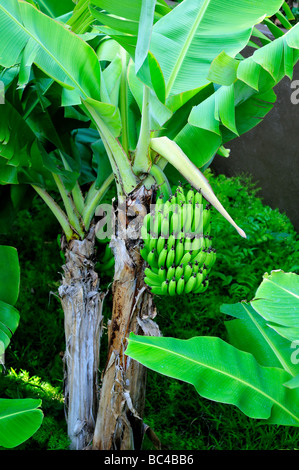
<point>106,258</point>
<point>177,244</point>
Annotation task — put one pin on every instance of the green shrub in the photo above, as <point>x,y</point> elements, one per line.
<point>52,433</point>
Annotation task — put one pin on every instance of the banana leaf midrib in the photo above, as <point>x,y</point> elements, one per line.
<point>186,46</point>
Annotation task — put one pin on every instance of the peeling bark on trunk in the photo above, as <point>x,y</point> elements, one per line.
<point>82,305</point>
<point>119,422</point>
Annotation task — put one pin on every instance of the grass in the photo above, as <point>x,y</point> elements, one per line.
<point>181,419</point>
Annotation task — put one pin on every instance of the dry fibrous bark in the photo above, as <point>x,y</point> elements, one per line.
<point>119,421</point>
<point>82,304</point>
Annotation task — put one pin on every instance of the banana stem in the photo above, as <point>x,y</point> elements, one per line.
<point>174,155</point>
<point>119,161</point>
<point>93,199</point>
<point>161,180</point>
<point>56,210</point>
<point>123,104</point>
<point>70,210</point>
<point>142,157</point>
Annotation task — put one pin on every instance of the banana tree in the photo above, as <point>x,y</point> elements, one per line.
<point>125,93</point>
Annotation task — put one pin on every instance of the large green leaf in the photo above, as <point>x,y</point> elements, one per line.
<point>251,333</point>
<point>55,8</point>
<point>187,40</point>
<point>130,24</point>
<point>25,31</point>
<point>145,24</point>
<point>221,373</point>
<point>9,292</point>
<point>243,100</point>
<point>159,113</point>
<point>277,301</point>
<point>9,274</point>
<point>19,419</point>
<point>120,20</point>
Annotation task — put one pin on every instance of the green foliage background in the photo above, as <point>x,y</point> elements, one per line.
<point>181,419</point>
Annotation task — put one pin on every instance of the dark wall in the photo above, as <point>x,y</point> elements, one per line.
<point>270,153</point>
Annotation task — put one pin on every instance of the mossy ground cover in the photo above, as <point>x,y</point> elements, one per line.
<point>181,419</point>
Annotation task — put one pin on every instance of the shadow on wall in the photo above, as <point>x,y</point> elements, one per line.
<point>270,152</point>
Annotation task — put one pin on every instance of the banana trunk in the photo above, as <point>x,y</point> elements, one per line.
<point>119,422</point>
<point>82,305</point>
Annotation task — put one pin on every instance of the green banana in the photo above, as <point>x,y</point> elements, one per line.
<point>200,257</point>
<point>206,285</point>
<point>180,196</point>
<point>147,221</point>
<point>108,265</point>
<point>145,236</point>
<point>211,257</point>
<point>195,267</point>
<point>179,272</point>
<point>170,257</point>
<point>172,287</point>
<point>157,224</point>
<point>165,226</point>
<point>170,242</point>
<point>208,228</point>
<point>162,273</point>
<point>180,285</point>
<point>175,225</point>
<point>200,289</point>
<point>189,216</point>
<point>162,257</point>
<point>166,209</point>
<point>171,272</point>
<point>206,215</point>
<point>186,258</point>
<point>151,283</point>
<point>161,243</point>
<point>180,236</point>
<point>173,200</point>
<point>164,287</point>
<point>151,258</point>
<point>179,252</point>
<point>144,253</point>
<point>152,243</point>
<point>187,244</point>
<point>199,279</point>
<point>157,290</point>
<point>205,270</point>
<point>208,241</point>
<point>197,225</point>
<point>107,254</point>
<point>198,197</point>
<point>190,196</point>
<point>160,201</point>
<point>153,277</point>
<point>188,271</point>
<point>190,284</point>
